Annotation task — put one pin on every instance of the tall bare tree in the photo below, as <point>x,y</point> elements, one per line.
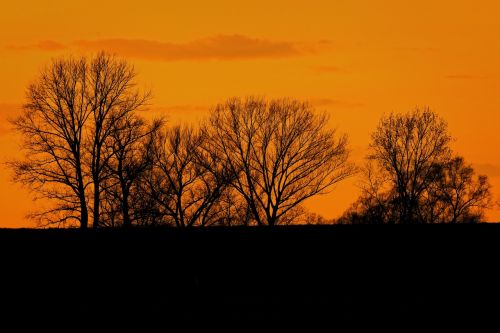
<point>406,147</point>
<point>281,152</point>
<point>188,179</point>
<point>69,115</point>
<point>130,143</point>
<point>112,96</point>
<point>52,128</point>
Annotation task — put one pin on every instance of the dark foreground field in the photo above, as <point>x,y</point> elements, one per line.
<point>403,277</point>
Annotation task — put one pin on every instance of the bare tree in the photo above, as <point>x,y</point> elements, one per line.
<point>188,179</point>
<point>376,204</point>
<point>410,176</point>
<point>462,198</point>
<point>453,196</point>
<point>52,127</point>
<point>70,114</point>
<point>406,147</point>
<point>148,210</point>
<point>233,211</point>
<point>280,151</point>
<point>130,143</point>
<point>112,96</point>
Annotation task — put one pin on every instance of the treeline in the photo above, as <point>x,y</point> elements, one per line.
<point>252,161</point>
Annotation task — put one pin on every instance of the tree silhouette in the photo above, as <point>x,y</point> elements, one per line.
<point>53,133</point>
<point>405,147</point>
<point>411,177</point>
<point>188,178</point>
<point>280,151</point>
<point>112,96</point>
<point>376,204</point>
<point>458,196</point>
<point>130,144</point>
<point>70,113</point>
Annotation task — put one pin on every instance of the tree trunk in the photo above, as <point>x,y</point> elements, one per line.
<point>84,214</point>
<point>96,174</point>
<point>97,202</point>
<point>127,223</point>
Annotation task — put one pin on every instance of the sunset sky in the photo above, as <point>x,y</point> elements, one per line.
<point>357,60</point>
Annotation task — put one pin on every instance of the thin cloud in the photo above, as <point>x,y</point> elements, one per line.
<point>423,49</point>
<point>463,77</point>
<point>490,170</point>
<point>326,69</point>
<point>46,45</point>
<point>184,108</point>
<point>221,47</point>
<point>324,102</point>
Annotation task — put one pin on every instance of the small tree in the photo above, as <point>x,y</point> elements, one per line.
<point>461,196</point>
<point>280,152</point>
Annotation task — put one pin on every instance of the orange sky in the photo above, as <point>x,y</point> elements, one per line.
<point>355,59</point>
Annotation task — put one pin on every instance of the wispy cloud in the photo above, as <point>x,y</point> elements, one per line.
<point>488,169</point>
<point>324,102</point>
<point>46,45</point>
<point>326,69</point>
<point>180,108</point>
<point>423,49</point>
<point>219,47</point>
<point>463,77</point>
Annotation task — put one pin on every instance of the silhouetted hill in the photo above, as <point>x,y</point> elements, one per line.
<point>149,280</point>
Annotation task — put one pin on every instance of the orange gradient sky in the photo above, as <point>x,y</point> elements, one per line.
<point>355,59</point>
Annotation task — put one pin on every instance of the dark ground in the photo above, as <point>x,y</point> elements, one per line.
<point>424,277</point>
